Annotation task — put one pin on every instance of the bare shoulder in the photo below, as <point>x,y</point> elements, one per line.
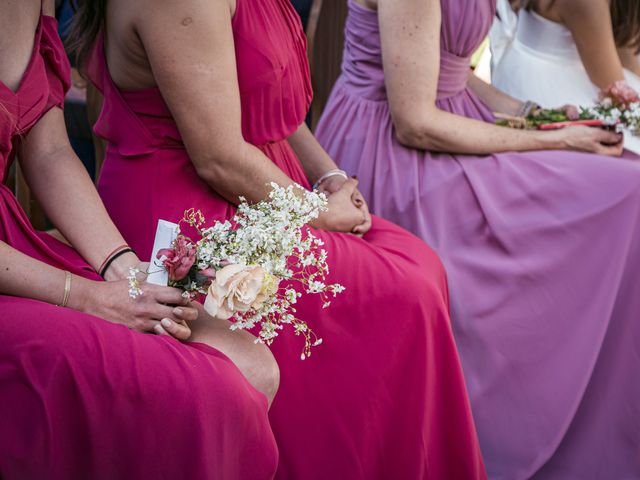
<point>583,9</point>
<point>49,7</point>
<point>131,23</point>
<point>182,11</point>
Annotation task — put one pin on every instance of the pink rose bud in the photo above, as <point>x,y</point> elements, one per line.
<point>179,259</point>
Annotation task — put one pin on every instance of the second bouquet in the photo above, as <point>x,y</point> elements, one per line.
<point>253,269</point>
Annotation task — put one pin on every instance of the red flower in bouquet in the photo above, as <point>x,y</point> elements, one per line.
<point>619,94</point>
<point>179,259</point>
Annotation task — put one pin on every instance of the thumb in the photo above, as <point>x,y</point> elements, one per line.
<point>350,186</point>
<point>608,137</point>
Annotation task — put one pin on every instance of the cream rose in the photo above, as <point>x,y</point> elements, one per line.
<point>238,288</point>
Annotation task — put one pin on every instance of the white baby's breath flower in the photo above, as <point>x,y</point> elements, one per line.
<point>273,236</point>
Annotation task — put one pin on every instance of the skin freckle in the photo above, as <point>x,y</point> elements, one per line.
<point>186,21</point>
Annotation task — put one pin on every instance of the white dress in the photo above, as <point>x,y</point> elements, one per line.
<point>536,59</point>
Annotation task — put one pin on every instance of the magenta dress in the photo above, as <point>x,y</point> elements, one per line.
<point>383,397</point>
<point>542,251</point>
<point>83,398</point>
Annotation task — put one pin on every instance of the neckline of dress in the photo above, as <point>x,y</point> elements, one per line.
<point>36,47</point>
<point>363,8</point>
<point>545,20</point>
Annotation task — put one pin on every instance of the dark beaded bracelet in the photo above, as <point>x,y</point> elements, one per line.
<point>113,257</point>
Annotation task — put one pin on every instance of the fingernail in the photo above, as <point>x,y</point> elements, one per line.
<point>166,322</point>
<point>158,329</point>
<point>177,311</point>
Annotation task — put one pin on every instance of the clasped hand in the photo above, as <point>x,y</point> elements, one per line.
<point>347,210</point>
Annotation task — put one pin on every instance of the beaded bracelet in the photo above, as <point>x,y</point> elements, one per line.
<point>526,108</point>
<point>329,174</point>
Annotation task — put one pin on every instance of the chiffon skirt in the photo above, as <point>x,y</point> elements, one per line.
<point>542,251</point>
<point>383,396</point>
<point>87,399</point>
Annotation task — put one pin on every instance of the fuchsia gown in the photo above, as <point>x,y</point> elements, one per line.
<point>84,398</point>
<point>542,251</point>
<point>383,397</point>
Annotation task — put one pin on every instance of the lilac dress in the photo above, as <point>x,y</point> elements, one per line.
<point>543,256</point>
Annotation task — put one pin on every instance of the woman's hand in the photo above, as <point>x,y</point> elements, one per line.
<point>336,183</point>
<point>359,201</point>
<point>158,310</point>
<point>571,111</point>
<point>592,140</point>
<point>342,214</point>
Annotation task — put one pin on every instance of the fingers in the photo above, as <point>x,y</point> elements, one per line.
<point>177,314</point>
<point>609,143</point>
<point>147,326</point>
<point>357,199</point>
<point>169,295</point>
<point>365,226</point>
<point>611,150</point>
<point>179,331</point>
<point>608,137</point>
<point>186,314</point>
<point>571,111</point>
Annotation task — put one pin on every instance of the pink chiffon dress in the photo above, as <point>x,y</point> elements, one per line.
<point>83,398</point>
<point>542,251</point>
<point>383,397</point>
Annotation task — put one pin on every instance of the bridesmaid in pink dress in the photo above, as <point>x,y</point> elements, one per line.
<point>191,123</point>
<point>84,397</point>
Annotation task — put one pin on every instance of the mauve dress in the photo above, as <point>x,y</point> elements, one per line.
<point>383,397</point>
<point>542,251</point>
<point>83,398</point>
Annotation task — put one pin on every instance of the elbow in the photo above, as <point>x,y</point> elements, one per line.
<point>215,162</point>
<point>412,133</point>
<point>212,167</point>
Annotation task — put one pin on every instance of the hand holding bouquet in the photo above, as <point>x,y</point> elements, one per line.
<point>247,267</point>
<point>618,107</point>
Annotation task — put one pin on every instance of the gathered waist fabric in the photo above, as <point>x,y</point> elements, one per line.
<point>367,80</point>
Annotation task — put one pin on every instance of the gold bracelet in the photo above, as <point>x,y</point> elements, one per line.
<point>67,289</point>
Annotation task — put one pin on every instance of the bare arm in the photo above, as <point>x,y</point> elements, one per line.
<point>590,24</point>
<point>62,185</point>
<point>190,48</point>
<point>629,59</point>
<point>410,32</point>
<point>315,161</point>
<point>495,99</point>
<point>191,51</point>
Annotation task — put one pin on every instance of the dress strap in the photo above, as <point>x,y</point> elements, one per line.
<point>117,132</point>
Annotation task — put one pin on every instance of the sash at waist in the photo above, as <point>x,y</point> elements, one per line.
<point>454,73</point>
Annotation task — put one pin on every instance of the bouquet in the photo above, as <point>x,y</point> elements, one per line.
<point>246,268</point>
<point>618,107</point>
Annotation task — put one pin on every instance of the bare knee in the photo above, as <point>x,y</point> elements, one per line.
<point>254,360</point>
